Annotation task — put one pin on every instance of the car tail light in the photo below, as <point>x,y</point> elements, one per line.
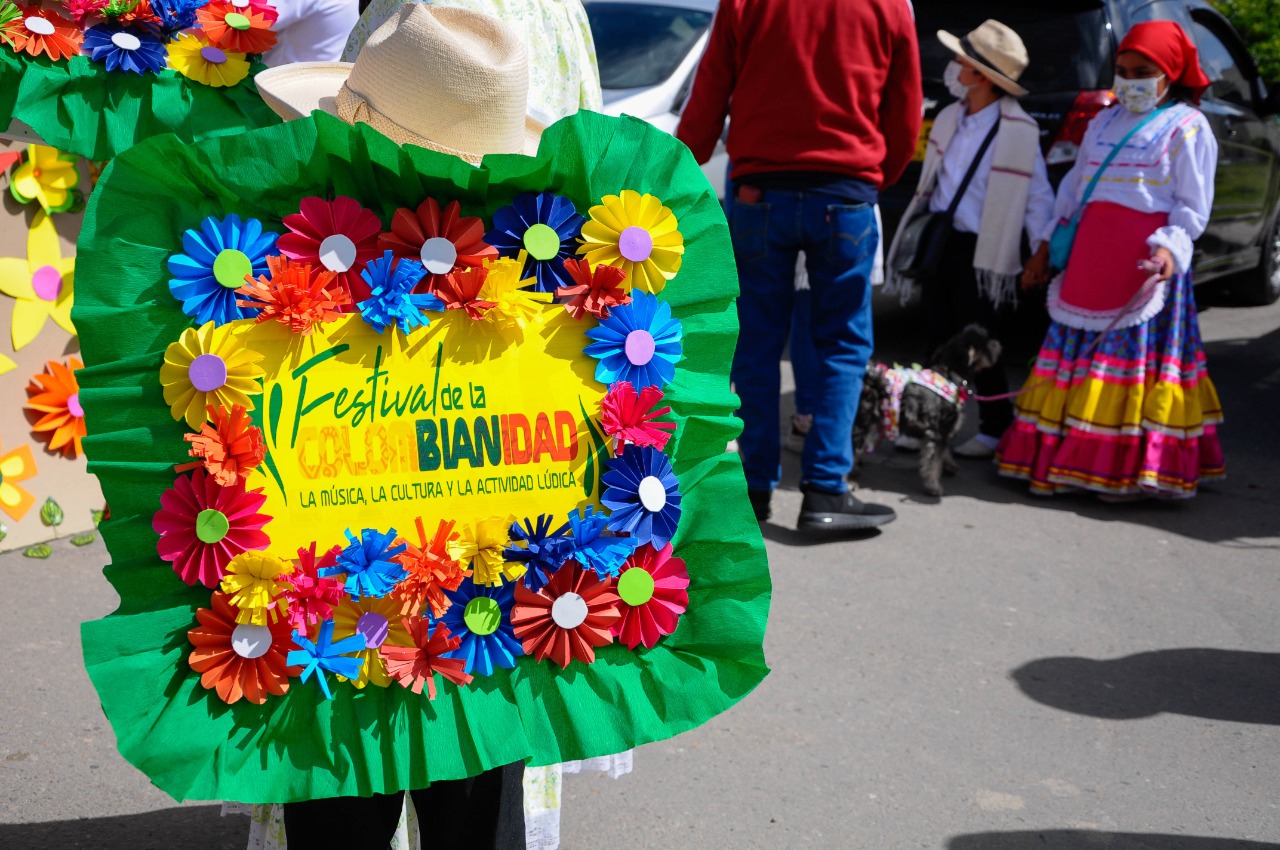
<point>1087,105</point>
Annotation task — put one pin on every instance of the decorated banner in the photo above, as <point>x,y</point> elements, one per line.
<point>416,468</point>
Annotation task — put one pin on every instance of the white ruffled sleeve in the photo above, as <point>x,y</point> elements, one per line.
<point>1195,161</point>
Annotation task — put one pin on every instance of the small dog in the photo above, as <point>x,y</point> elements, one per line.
<point>926,404</point>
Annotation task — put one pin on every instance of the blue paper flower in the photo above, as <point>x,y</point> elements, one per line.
<point>392,301</point>
<point>324,654</point>
<point>605,555</point>
<point>125,48</point>
<point>481,617</point>
<point>544,225</point>
<point>643,496</point>
<point>176,15</point>
<point>639,342</point>
<point>217,258</point>
<point>543,552</point>
<point>367,563</point>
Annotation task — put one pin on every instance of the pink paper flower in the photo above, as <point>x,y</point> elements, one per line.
<point>653,588</point>
<point>338,236</point>
<point>203,525</point>
<point>630,418</point>
<point>313,598</point>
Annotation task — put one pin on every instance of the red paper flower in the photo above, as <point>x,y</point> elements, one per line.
<point>653,592</point>
<point>339,236</point>
<point>240,661</point>
<point>41,31</point>
<point>203,525</point>
<point>82,10</point>
<point>415,666</point>
<point>54,401</point>
<point>247,31</point>
<point>313,598</point>
<point>141,13</point>
<point>461,291</point>
<point>431,571</point>
<point>594,290</point>
<point>444,242</point>
<point>295,294</point>
<point>229,447</point>
<point>571,615</point>
<point>631,418</point>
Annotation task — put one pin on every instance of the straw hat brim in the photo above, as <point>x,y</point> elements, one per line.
<point>953,44</point>
<point>296,90</point>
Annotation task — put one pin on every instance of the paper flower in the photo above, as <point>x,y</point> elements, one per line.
<point>380,622</point>
<point>37,30</point>
<point>119,48</point>
<point>630,417</point>
<point>430,569</point>
<point>416,665</point>
<point>48,177</point>
<point>54,399</point>
<point>208,367</point>
<point>639,343</point>
<point>653,593</point>
<point>82,10</point>
<point>369,563</point>
<point>541,551</point>
<point>15,466</point>
<point>542,229</point>
<point>132,12</point>
<point>239,660</point>
<point>482,545</point>
<point>568,618</point>
<point>338,235</point>
<point>44,283</point>
<point>443,241</point>
<point>174,16</point>
<point>295,295</point>
<point>10,18</point>
<point>218,259</point>
<point>592,290</point>
<point>481,619</point>
<point>229,446</point>
<point>513,307</point>
<point>256,584</point>
<point>312,597</point>
<point>637,234</point>
<point>324,654</point>
<point>643,495</point>
<point>237,29</point>
<point>195,58</point>
<point>461,291</point>
<point>589,546</point>
<point>392,302</point>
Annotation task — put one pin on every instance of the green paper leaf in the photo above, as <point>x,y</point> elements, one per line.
<point>97,517</point>
<point>51,512</point>
<point>40,550</point>
<point>84,539</point>
<point>4,531</point>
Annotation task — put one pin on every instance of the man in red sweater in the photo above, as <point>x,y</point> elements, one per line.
<point>825,102</point>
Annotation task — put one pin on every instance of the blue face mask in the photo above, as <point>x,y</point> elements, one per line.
<point>1140,95</point>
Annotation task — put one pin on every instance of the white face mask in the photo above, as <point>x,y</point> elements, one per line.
<point>1138,95</point>
<point>951,77</point>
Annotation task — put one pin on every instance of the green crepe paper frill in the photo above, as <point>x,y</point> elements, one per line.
<point>302,746</point>
<point>79,107</point>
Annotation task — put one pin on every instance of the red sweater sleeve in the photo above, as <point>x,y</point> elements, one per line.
<point>704,114</point>
<point>901,103</point>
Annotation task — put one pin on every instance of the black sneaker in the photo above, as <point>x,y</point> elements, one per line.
<point>760,503</point>
<point>840,512</point>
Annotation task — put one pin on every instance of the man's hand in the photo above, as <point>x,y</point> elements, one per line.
<point>1036,272</point>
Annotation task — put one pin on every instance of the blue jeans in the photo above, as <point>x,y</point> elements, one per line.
<point>804,359</point>
<point>839,241</point>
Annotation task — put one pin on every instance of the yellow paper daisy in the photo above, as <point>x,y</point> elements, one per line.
<point>513,306</point>
<point>255,583</point>
<point>381,622</point>
<point>637,234</point>
<point>43,283</point>
<point>15,466</point>
<point>49,176</point>
<point>208,365</point>
<point>195,58</point>
<point>482,544</point>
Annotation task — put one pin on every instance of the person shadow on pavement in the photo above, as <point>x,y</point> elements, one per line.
<point>1078,839</point>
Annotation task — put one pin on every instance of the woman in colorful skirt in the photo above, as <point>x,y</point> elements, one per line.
<point>1120,402</point>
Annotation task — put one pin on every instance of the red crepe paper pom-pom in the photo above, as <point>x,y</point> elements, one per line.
<point>461,291</point>
<point>442,240</point>
<point>595,291</point>
<point>240,661</point>
<point>631,417</point>
<point>296,294</point>
<point>248,32</point>
<point>203,525</point>
<point>141,13</point>
<point>339,236</point>
<point>415,666</point>
<point>651,604</point>
<point>312,598</point>
<point>228,446</point>
<point>568,618</point>
<point>431,571</point>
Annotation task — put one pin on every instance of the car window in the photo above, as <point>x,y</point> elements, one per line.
<point>642,44</point>
<point>1229,81</point>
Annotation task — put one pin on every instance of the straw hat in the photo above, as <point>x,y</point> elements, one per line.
<point>995,51</point>
<point>447,79</point>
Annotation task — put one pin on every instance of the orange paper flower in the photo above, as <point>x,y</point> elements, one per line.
<point>431,571</point>
<point>237,30</point>
<point>229,446</point>
<point>41,31</point>
<point>16,465</point>
<point>295,294</point>
<point>240,661</point>
<point>415,666</point>
<point>594,290</point>
<point>54,401</point>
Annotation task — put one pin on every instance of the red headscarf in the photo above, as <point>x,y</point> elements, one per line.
<point>1167,45</point>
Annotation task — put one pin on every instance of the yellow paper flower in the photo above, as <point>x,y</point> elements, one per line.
<point>513,306</point>
<point>17,465</point>
<point>43,283</point>
<point>381,622</point>
<point>208,365</point>
<point>49,176</point>
<point>254,584</point>
<point>482,544</point>
<point>637,234</point>
<point>194,58</point>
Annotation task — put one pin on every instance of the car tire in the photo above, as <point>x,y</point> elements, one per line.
<point>1262,285</point>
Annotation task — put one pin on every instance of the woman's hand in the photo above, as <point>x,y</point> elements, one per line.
<point>1163,258</point>
<point>1036,272</point>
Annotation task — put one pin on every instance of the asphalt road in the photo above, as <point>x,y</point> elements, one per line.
<point>993,672</point>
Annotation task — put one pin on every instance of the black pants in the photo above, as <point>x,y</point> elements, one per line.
<point>950,301</point>
<point>485,812</point>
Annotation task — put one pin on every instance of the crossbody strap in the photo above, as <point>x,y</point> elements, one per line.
<point>1093,181</point>
<point>973,168</point>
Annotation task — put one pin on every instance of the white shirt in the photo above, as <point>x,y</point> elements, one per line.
<point>311,30</point>
<point>970,133</point>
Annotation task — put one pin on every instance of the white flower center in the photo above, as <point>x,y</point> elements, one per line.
<point>438,255</point>
<point>251,641</point>
<point>569,611</point>
<point>653,495</point>
<point>126,41</point>
<point>337,253</point>
<point>38,25</point>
